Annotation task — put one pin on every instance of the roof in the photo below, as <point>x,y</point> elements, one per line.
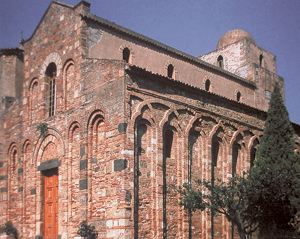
<point>11,51</point>
<point>234,36</point>
<point>154,43</point>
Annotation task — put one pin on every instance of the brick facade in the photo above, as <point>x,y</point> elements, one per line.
<point>128,120</point>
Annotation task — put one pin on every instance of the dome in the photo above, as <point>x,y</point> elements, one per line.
<point>234,36</point>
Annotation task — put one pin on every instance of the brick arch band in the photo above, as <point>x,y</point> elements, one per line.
<point>55,58</point>
<point>53,136</point>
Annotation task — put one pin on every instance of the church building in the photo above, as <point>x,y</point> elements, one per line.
<point>103,124</point>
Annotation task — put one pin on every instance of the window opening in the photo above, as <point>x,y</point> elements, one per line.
<point>238,96</point>
<point>126,55</point>
<point>14,159</point>
<point>207,85</point>
<point>261,57</point>
<point>51,74</point>
<point>170,71</point>
<point>220,62</point>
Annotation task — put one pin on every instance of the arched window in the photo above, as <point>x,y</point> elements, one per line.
<point>50,77</point>
<point>14,158</point>
<point>170,71</point>
<point>261,57</point>
<point>207,85</point>
<point>238,96</point>
<point>220,61</point>
<point>126,54</point>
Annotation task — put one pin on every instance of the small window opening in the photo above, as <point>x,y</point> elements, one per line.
<point>220,62</point>
<point>238,96</point>
<point>170,71</point>
<point>126,55</point>
<point>261,57</point>
<point>207,85</point>
<point>51,74</point>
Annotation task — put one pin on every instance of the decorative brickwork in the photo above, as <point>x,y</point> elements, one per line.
<point>120,138</point>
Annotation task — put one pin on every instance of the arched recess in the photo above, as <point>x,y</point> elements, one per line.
<point>127,53</point>
<point>171,71</point>
<point>14,198</point>
<point>50,76</point>
<point>171,135</point>
<point>95,132</point>
<point>254,143</point>
<point>74,146</point>
<point>53,138</point>
<point>143,167</point>
<point>49,158</point>
<point>238,153</point>
<point>196,140</point>
<point>13,157</point>
<point>33,101</point>
<point>96,159</point>
<point>218,154</point>
<point>71,85</point>
<point>29,176</point>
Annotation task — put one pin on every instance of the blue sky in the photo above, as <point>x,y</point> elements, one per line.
<point>191,26</point>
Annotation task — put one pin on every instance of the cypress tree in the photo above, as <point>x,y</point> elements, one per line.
<point>275,179</point>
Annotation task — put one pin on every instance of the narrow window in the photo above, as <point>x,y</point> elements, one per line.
<point>238,96</point>
<point>170,71</point>
<point>14,159</point>
<point>220,61</point>
<point>261,57</point>
<point>207,85</point>
<point>126,55</point>
<point>51,74</point>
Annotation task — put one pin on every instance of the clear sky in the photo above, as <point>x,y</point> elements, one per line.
<point>191,26</point>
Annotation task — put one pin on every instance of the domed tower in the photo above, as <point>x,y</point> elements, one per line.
<point>238,53</point>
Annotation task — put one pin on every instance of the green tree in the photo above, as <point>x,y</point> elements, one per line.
<point>269,194</point>
<point>229,199</point>
<point>275,178</point>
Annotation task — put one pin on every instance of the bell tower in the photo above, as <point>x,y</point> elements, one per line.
<point>238,53</point>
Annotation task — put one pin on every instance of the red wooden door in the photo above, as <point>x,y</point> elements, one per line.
<point>51,204</point>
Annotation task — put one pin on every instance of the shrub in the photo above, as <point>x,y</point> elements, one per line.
<point>86,230</point>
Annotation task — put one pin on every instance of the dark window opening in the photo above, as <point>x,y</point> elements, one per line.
<point>170,71</point>
<point>238,96</point>
<point>220,62</point>
<point>14,158</point>
<point>261,57</point>
<point>207,85</point>
<point>126,55</point>
<point>51,74</point>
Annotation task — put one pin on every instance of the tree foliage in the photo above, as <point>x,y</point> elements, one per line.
<point>268,195</point>
<point>229,199</point>
<point>275,179</point>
